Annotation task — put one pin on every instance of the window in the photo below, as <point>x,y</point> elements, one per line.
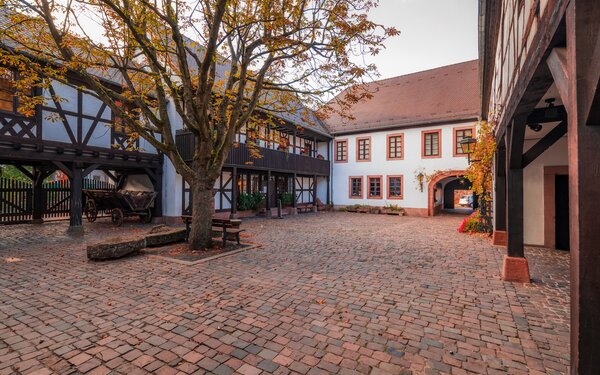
<point>395,146</point>
<point>431,143</point>
<point>341,151</point>
<point>374,187</point>
<point>394,187</point>
<point>120,123</point>
<point>459,135</point>
<point>363,149</point>
<point>356,187</point>
<point>7,90</point>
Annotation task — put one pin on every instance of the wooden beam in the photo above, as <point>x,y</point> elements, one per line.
<point>515,137</point>
<point>75,216</point>
<point>89,169</point>
<point>111,176</point>
<point>23,170</point>
<point>543,144</point>
<point>583,25</point>
<point>557,62</point>
<point>534,78</point>
<point>500,189</point>
<point>515,143</point>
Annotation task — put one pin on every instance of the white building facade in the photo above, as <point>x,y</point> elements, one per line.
<point>403,145</point>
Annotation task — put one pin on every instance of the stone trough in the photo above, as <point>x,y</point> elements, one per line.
<point>163,235</point>
<point>115,248</point>
<point>119,247</point>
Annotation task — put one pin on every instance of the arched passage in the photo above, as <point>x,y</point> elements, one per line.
<point>440,184</point>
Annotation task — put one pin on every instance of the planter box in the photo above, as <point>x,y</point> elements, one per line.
<point>392,212</point>
<point>375,210</point>
<point>364,210</point>
<point>351,209</point>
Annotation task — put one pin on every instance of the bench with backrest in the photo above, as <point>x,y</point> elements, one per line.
<point>228,229</point>
<point>304,207</point>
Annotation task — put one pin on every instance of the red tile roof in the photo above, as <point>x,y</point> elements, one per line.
<point>446,94</point>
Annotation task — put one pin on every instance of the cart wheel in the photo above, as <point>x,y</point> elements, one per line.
<point>91,212</point>
<point>117,216</point>
<point>147,217</point>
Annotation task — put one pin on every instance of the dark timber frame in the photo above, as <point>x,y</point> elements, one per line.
<point>23,143</point>
<point>566,52</point>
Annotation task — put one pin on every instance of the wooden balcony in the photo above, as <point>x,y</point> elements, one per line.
<point>273,160</point>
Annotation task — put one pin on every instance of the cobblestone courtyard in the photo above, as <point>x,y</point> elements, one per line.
<point>332,293</point>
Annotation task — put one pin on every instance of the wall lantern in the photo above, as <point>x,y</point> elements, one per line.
<point>467,146</point>
<point>420,179</point>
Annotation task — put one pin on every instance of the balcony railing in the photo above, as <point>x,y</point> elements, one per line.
<point>274,160</point>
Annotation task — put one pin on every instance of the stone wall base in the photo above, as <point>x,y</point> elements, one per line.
<point>515,269</point>
<point>423,212</point>
<point>499,237</point>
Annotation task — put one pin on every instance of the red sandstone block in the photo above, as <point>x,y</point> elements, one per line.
<point>515,270</point>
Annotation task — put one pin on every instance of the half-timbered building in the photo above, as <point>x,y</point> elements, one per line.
<point>540,63</point>
<point>76,133</point>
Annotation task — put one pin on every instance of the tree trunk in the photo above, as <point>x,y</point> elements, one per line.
<point>202,210</point>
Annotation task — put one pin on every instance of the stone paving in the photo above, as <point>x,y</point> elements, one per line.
<point>328,293</point>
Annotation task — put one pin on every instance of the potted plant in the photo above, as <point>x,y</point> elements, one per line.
<point>393,209</point>
<point>250,202</point>
<point>286,199</point>
<point>283,144</point>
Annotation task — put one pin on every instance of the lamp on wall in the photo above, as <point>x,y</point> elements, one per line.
<point>467,146</point>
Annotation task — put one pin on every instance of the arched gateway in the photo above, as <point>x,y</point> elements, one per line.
<point>446,180</point>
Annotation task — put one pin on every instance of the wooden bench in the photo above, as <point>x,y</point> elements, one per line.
<point>304,207</point>
<point>228,229</point>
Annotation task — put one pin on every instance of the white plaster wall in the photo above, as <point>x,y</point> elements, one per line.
<point>413,197</point>
<point>53,128</point>
<point>533,189</point>
<point>172,181</point>
<point>322,149</point>
<point>322,189</point>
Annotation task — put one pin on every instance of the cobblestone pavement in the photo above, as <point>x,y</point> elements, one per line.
<point>331,293</point>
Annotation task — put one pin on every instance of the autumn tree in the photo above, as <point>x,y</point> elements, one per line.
<point>212,65</point>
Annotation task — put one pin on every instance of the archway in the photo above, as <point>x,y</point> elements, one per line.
<point>437,186</point>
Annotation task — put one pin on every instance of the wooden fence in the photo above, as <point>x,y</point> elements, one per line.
<point>16,199</point>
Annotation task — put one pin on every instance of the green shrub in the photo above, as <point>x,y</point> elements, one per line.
<point>250,201</point>
<point>286,199</point>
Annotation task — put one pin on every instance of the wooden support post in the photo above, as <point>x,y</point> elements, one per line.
<point>294,190</point>
<point>234,194</point>
<point>328,191</point>
<point>500,196</point>
<point>76,220</point>
<point>268,197</point>
<point>583,50</point>
<point>39,197</point>
<point>158,182</point>
<point>515,265</point>
<point>315,208</point>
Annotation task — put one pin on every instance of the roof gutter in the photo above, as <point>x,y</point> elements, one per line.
<point>410,126</point>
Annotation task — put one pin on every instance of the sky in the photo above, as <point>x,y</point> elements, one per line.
<point>433,33</point>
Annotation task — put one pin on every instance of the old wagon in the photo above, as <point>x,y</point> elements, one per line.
<point>134,196</point>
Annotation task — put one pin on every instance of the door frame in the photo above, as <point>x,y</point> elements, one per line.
<point>550,173</point>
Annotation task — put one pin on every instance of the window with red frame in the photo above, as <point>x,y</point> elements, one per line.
<point>374,187</point>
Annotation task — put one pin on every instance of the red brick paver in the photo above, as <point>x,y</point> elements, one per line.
<point>328,293</point>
